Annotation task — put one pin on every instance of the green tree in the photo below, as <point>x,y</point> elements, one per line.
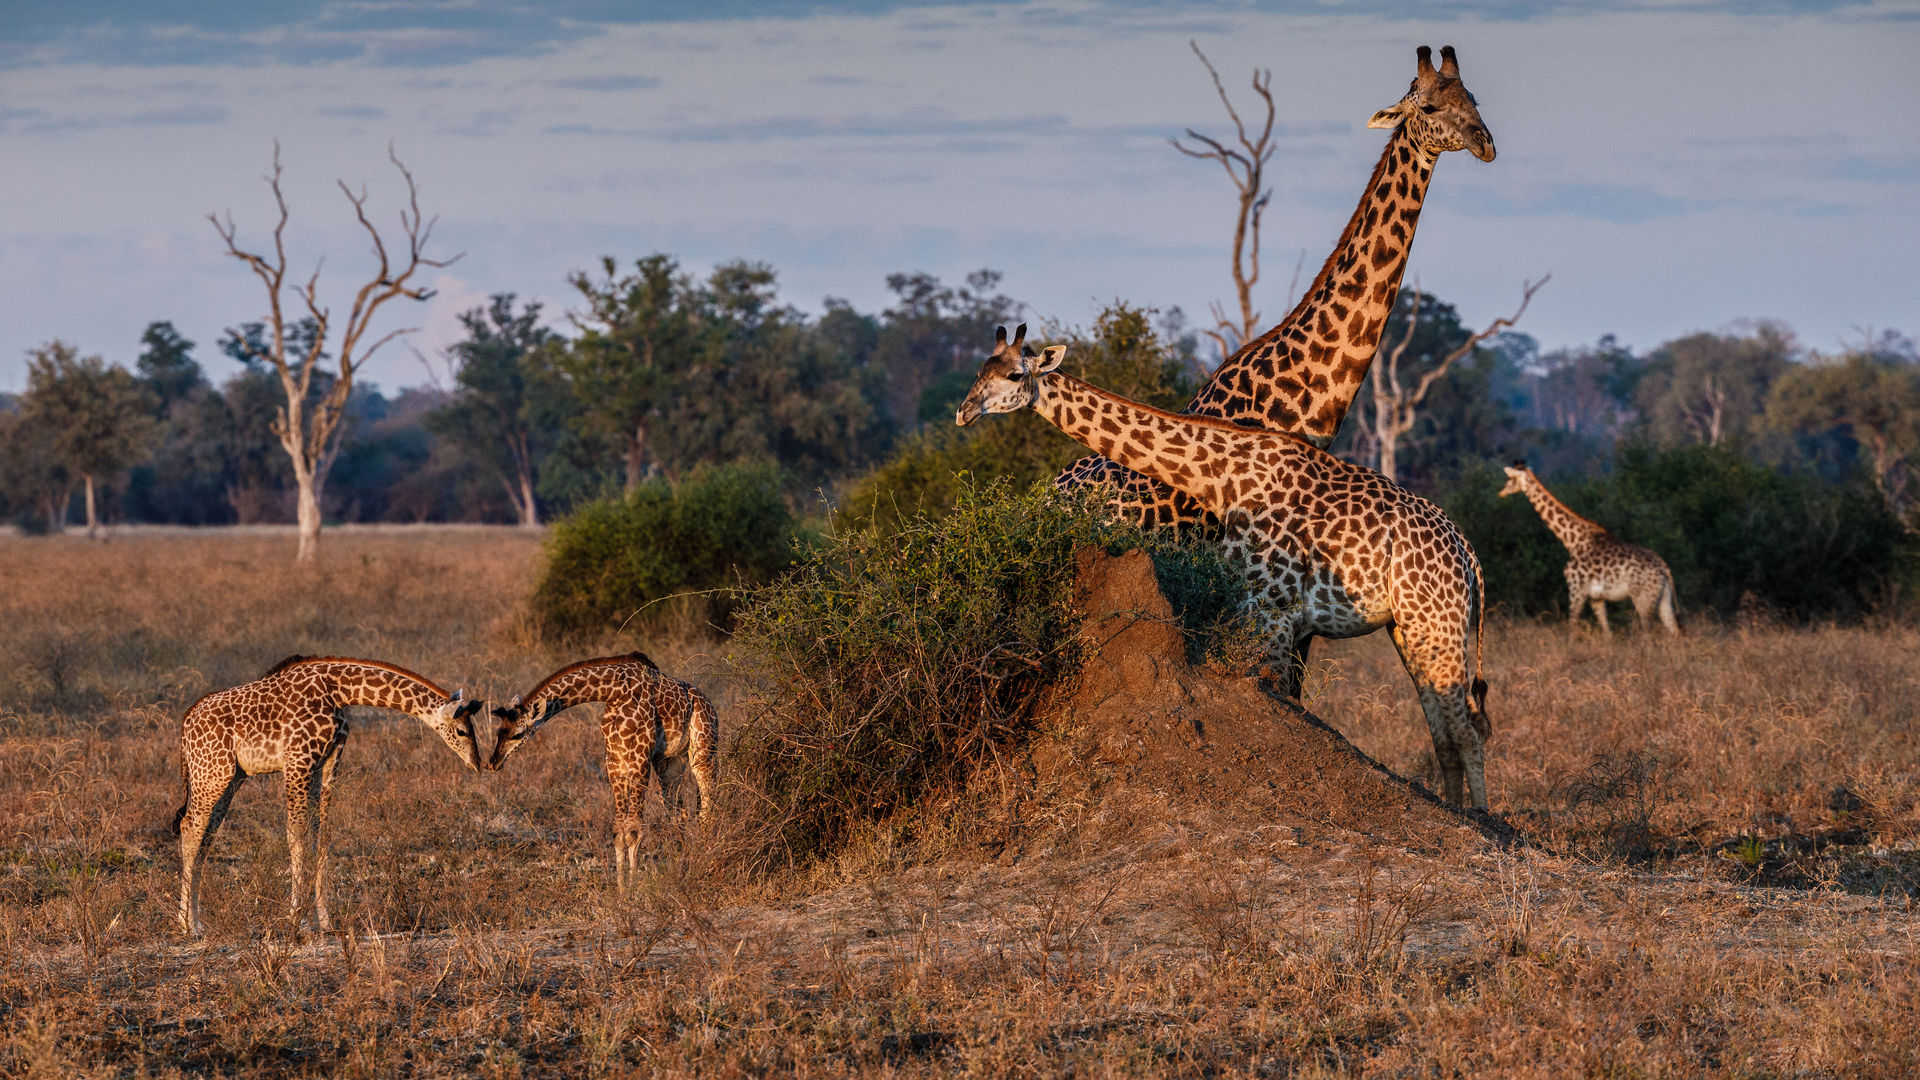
<point>1711,389</point>
<point>508,398</point>
<point>632,356</point>
<point>100,417</point>
<point>34,478</point>
<point>1873,399</point>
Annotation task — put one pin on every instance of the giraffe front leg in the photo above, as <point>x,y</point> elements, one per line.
<point>205,810</point>
<point>300,786</point>
<point>629,789</point>
<point>324,801</point>
<point>1600,616</point>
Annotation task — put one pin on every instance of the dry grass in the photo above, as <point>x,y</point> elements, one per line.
<point>1639,938</point>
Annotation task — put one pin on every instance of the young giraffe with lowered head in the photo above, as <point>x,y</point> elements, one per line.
<point>1300,377</point>
<point>651,723</point>
<point>292,720</point>
<point>1330,548</point>
<point>1599,568</point>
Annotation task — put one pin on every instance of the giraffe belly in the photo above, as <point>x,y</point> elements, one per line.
<point>257,758</point>
<point>1600,589</point>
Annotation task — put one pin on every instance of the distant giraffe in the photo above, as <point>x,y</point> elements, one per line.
<point>651,723</point>
<point>1600,568</point>
<point>291,720</point>
<point>1330,548</point>
<point>1301,376</point>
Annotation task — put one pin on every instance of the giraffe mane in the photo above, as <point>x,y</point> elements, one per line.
<point>1313,288</point>
<point>396,669</point>
<point>630,658</point>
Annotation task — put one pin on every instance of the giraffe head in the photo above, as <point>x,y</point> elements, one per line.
<point>1517,476</point>
<point>452,720</point>
<point>1005,382</point>
<point>1438,112</point>
<point>516,722</point>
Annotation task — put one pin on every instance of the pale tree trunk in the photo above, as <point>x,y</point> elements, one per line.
<point>93,517</point>
<point>636,459</point>
<point>529,510</point>
<point>307,513</point>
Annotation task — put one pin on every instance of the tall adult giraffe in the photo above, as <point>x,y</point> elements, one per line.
<point>1599,568</point>
<point>1330,547</point>
<point>1301,376</point>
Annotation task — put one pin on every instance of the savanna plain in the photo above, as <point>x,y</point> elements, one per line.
<point>1704,859</point>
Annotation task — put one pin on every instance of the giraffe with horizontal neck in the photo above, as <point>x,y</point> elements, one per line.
<point>292,720</point>
<point>1330,548</point>
<point>1599,568</point>
<point>1300,377</point>
<point>652,723</point>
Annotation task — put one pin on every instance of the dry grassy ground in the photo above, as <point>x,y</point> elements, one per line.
<point>1721,874</point>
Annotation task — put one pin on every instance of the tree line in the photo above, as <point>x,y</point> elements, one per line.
<point>663,373</point>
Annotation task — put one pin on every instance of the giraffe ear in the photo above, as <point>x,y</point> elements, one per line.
<point>1389,117</point>
<point>1050,358</point>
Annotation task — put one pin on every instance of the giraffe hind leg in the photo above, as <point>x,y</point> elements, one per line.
<point>325,800</point>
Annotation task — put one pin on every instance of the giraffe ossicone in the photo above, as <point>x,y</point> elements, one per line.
<point>292,720</point>
<point>1599,568</point>
<point>652,724</point>
<point>1329,548</point>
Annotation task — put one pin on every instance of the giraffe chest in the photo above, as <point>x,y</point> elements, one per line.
<point>642,729</point>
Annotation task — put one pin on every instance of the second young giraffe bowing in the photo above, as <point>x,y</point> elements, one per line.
<point>291,720</point>
<point>1599,568</point>
<point>1330,548</point>
<point>652,723</point>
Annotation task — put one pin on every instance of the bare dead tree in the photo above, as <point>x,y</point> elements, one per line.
<point>1396,406</point>
<point>1246,166</point>
<point>310,430</point>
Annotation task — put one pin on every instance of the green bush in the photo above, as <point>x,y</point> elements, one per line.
<point>1727,527</point>
<point>723,529</point>
<point>894,663</point>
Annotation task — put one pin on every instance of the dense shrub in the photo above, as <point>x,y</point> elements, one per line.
<point>721,529</point>
<point>1729,529</point>
<point>895,662</point>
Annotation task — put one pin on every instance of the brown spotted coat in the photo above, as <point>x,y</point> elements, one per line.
<point>1599,568</point>
<point>292,720</point>
<point>652,723</point>
<point>1330,548</point>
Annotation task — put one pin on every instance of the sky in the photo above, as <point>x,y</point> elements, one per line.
<point>1676,165</point>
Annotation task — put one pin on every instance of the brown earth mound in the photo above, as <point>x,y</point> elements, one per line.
<point>1146,737</point>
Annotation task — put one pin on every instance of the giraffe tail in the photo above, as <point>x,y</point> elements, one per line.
<point>186,797</point>
<point>1480,645</point>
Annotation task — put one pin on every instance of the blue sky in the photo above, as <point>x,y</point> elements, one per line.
<point>1677,166</point>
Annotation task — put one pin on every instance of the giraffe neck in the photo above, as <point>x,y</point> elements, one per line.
<point>1575,532</point>
<point>1301,376</point>
<point>358,682</point>
<point>1193,455</point>
<point>585,682</point>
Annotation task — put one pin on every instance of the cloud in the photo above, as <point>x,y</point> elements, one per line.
<point>1618,204</point>
<point>169,117</point>
<point>605,83</point>
<point>353,112</point>
<point>432,33</point>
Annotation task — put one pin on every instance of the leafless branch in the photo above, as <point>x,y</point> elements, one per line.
<point>1245,165</point>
